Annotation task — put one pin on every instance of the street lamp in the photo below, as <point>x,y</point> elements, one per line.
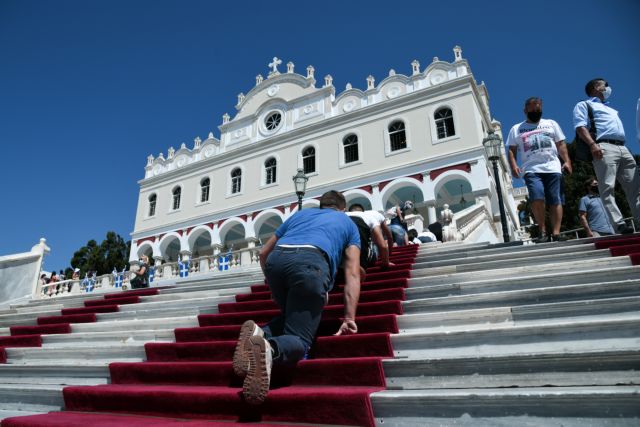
<point>463,202</point>
<point>493,146</point>
<point>300,182</point>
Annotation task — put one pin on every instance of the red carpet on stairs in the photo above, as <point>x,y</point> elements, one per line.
<point>193,377</point>
<point>84,419</point>
<point>97,309</point>
<point>622,246</point>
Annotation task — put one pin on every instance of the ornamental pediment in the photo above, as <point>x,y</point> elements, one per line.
<point>286,88</point>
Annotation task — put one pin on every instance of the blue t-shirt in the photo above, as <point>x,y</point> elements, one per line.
<point>326,229</point>
<point>596,215</point>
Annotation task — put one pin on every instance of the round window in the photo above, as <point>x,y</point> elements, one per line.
<point>273,120</point>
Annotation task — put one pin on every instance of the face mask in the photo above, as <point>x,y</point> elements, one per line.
<point>534,116</point>
<point>607,92</point>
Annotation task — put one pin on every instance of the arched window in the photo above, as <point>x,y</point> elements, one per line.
<point>397,135</point>
<point>204,190</point>
<point>176,198</point>
<point>444,123</point>
<point>350,145</point>
<point>309,160</point>
<point>270,169</point>
<point>152,204</point>
<point>236,180</point>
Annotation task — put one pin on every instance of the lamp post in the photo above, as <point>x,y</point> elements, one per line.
<point>493,146</point>
<point>463,202</point>
<point>300,183</point>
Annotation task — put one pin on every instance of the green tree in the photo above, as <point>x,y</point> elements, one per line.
<point>102,258</point>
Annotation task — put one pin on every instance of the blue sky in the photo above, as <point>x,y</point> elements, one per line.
<point>89,88</point>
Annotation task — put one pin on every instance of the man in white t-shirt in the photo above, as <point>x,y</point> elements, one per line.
<point>379,232</point>
<point>540,145</point>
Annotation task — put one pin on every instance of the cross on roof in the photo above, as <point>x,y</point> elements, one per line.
<point>274,64</point>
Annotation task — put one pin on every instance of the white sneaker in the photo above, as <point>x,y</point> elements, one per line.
<point>240,358</point>
<point>256,383</point>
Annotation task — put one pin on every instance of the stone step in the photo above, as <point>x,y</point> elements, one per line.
<point>463,251</point>
<point>177,294</point>
<point>78,355</point>
<point>31,397</point>
<point>455,273</point>
<point>38,308</point>
<point>579,310</point>
<point>509,253</point>
<point>137,324</point>
<point>26,319</point>
<point>557,369</point>
<point>566,293</point>
<point>150,310</point>
<point>526,406</point>
<point>115,336</point>
<point>622,331</point>
<point>426,287</point>
<point>55,373</point>
<point>474,264</point>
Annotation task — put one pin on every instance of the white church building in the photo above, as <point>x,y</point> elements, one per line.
<point>411,137</point>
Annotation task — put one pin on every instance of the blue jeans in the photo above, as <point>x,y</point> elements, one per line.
<point>398,233</point>
<point>299,279</point>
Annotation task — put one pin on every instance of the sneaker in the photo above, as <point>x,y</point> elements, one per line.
<point>256,383</point>
<point>240,357</point>
<point>542,239</point>
<point>625,229</point>
<point>559,238</point>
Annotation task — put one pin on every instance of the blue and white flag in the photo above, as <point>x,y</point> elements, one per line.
<point>89,283</point>
<point>119,278</point>
<point>223,262</point>
<point>183,268</point>
<point>152,273</point>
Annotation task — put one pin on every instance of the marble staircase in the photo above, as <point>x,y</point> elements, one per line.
<point>532,335</point>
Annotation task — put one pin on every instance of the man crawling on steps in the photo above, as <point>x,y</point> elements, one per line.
<point>299,263</point>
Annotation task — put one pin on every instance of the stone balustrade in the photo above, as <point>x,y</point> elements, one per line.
<point>239,260</point>
<point>460,225</point>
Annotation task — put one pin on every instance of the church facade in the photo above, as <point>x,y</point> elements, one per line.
<point>409,137</point>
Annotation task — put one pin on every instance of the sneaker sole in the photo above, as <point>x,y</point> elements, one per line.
<point>256,383</point>
<point>240,358</point>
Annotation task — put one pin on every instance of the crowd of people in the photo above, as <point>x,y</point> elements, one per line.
<point>540,145</point>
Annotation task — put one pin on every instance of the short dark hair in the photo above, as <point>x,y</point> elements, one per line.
<point>356,207</point>
<point>333,199</point>
<point>412,233</point>
<point>588,182</point>
<point>591,85</point>
<point>532,99</point>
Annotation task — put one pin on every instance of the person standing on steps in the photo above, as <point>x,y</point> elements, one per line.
<point>611,158</point>
<point>592,213</point>
<point>540,145</point>
<point>299,263</point>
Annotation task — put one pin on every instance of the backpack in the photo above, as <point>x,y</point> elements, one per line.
<point>583,152</point>
<point>366,250</point>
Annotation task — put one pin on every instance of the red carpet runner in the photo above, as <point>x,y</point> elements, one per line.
<point>193,377</point>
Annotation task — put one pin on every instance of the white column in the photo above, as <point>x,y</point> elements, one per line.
<point>376,200</point>
<point>185,255</point>
<point>431,211</point>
